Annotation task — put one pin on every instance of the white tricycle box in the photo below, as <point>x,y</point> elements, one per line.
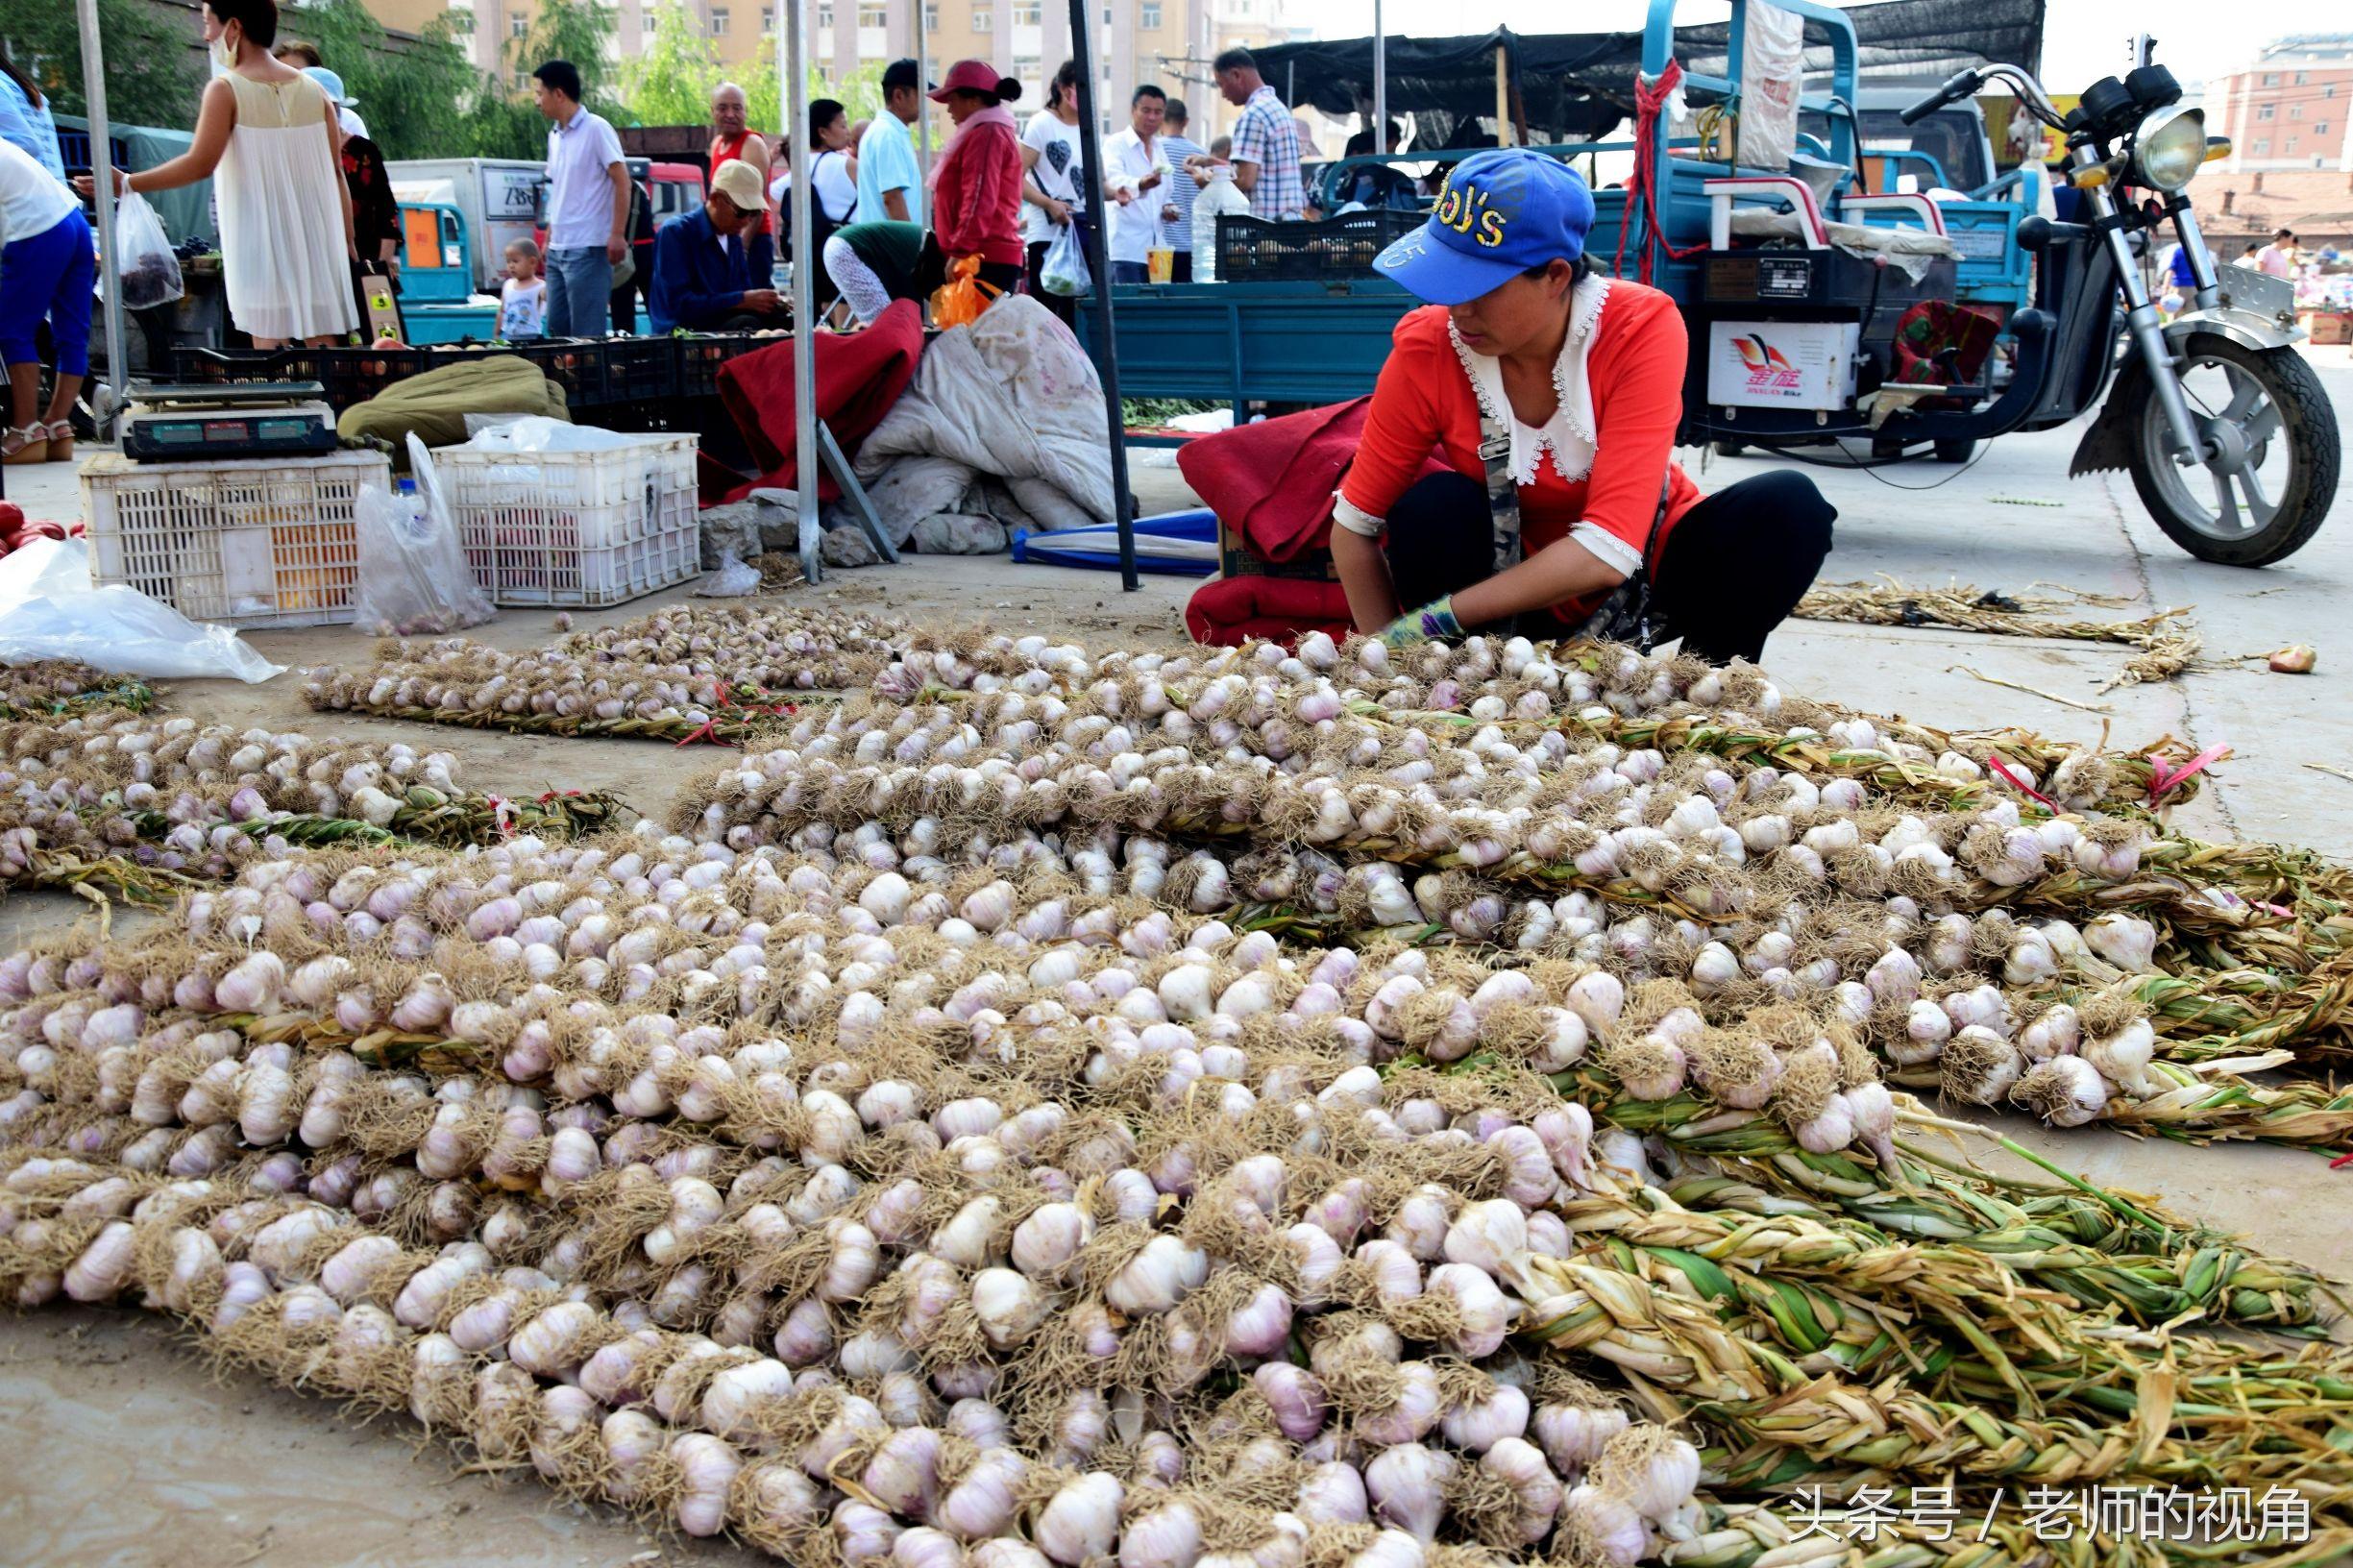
<point>1781,364</point>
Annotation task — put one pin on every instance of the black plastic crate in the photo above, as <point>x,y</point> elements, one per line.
<point>208,367</point>
<point>1278,250</point>
<point>572,363</point>
<point>348,374</point>
<point>700,354</point>
<point>638,370</point>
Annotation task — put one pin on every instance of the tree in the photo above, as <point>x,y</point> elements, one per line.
<point>409,95</point>
<point>502,120</point>
<point>150,71</point>
<point>671,80</point>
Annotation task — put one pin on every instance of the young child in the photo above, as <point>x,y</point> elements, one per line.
<point>522,299</point>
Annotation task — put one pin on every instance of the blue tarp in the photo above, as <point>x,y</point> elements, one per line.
<point>1184,544</point>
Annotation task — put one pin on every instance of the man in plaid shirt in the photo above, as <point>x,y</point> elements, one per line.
<point>1265,141</point>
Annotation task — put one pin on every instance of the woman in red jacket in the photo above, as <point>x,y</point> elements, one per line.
<point>976,189</point>
<point>1575,382</point>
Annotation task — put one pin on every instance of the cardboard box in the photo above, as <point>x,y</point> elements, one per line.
<point>1781,364</point>
<point>1235,560</point>
<point>2328,327</point>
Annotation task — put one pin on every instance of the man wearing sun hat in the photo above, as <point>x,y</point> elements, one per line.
<point>1552,393</point>
<point>711,268</point>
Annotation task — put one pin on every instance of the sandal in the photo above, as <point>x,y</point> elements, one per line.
<point>61,440</point>
<point>28,444</point>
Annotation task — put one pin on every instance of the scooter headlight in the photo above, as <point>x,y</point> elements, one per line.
<point>2169,147</point>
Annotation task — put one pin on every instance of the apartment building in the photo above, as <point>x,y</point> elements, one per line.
<point>2291,108</point>
<point>1169,43</point>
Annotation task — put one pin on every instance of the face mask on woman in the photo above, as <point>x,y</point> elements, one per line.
<point>224,54</point>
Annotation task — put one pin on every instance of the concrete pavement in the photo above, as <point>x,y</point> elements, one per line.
<point>2008,520</point>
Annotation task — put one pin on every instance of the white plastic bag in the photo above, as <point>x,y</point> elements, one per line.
<point>732,579</point>
<point>143,254</point>
<point>48,610</point>
<point>413,578</point>
<point>1064,270</point>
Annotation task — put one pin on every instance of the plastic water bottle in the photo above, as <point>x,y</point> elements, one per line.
<point>780,278</point>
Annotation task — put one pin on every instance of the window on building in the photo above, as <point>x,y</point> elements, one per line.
<point>931,18</point>
<point>1026,14</point>
<point>2270,79</point>
<point>2264,111</point>
<point>2301,77</point>
<point>719,21</point>
<point>2320,128</point>
<point>872,16</point>
<point>2287,146</point>
<point>522,79</point>
<point>2295,111</point>
<point>517,25</point>
<point>1025,68</point>
<point>984,19</point>
<point>2263,149</point>
<point>768,20</point>
<point>824,16</point>
<point>1148,18</point>
<point>2328,90</point>
<point>461,21</point>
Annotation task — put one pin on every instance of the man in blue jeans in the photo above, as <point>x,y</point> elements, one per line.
<point>588,205</point>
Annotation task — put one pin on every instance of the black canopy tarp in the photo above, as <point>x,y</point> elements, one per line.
<point>1575,86</point>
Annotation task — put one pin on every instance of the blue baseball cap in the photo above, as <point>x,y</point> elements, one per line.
<point>332,85</point>
<point>1499,213</point>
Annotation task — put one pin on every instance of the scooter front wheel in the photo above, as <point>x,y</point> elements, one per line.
<point>2265,487</point>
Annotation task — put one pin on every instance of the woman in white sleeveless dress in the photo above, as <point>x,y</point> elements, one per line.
<point>269,139</point>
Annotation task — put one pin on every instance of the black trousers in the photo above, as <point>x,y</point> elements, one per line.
<point>931,273</point>
<point>1730,572</point>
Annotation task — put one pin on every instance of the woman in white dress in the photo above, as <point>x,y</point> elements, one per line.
<point>267,137</point>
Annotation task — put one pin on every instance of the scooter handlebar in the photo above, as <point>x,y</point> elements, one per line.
<point>1957,87</point>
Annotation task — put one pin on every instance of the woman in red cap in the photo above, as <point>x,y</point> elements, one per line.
<point>977,189</point>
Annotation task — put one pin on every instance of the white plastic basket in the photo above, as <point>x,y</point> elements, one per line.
<point>248,542</point>
<point>576,528</point>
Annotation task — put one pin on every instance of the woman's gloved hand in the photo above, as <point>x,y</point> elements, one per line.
<point>1433,622</point>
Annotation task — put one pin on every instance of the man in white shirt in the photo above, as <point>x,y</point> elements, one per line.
<point>588,205</point>
<point>1135,178</point>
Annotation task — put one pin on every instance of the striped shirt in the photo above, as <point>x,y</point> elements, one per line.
<point>1182,189</point>
<point>1267,136</point>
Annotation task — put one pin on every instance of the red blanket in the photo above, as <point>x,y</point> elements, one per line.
<point>858,378</point>
<point>1272,482</point>
<point>1230,611</point>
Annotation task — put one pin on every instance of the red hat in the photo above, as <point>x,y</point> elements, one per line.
<point>968,76</point>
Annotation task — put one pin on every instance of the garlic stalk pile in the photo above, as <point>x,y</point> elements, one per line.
<point>60,687</point>
<point>174,796</point>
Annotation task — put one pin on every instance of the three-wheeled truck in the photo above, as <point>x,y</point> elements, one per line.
<point>1793,279</point>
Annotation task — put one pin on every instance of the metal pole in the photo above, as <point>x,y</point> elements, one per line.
<point>1098,268</point>
<point>1381,83</point>
<point>102,181</point>
<point>795,48</point>
<point>922,104</point>
<point>1502,99</point>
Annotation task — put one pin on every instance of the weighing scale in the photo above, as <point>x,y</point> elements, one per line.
<point>227,419</point>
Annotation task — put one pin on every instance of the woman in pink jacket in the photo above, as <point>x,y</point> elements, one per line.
<point>977,189</point>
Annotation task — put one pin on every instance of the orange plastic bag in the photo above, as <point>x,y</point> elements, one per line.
<point>960,300</point>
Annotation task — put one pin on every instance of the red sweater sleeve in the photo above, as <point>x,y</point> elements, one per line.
<point>1405,419</point>
<point>1637,372</point>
